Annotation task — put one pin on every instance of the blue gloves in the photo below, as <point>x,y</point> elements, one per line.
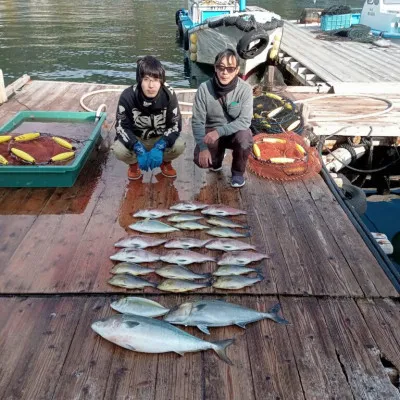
<point>156,154</point>
<point>142,156</point>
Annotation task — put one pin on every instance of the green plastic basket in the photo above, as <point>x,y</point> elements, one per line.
<point>50,175</point>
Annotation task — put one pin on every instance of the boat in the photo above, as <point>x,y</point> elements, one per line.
<point>210,26</point>
<point>383,16</point>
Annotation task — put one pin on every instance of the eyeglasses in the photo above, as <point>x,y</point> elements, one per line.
<point>222,68</point>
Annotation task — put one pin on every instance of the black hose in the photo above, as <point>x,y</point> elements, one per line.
<point>390,270</point>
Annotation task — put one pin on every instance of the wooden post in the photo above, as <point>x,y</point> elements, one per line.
<point>3,94</point>
<point>271,76</point>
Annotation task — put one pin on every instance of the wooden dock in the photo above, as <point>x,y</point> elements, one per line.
<point>325,63</point>
<point>55,244</point>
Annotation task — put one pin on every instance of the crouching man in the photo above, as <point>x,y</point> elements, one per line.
<point>222,113</point>
<point>148,123</point>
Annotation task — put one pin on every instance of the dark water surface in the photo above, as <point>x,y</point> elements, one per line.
<point>100,41</point>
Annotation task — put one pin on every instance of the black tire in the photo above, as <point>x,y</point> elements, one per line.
<point>230,21</point>
<point>246,25</point>
<point>355,197</point>
<point>244,42</point>
<point>186,40</point>
<point>216,24</point>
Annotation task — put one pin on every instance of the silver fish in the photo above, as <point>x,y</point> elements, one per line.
<point>229,245</point>
<point>185,257</point>
<point>191,226</point>
<point>181,285</point>
<point>188,206</point>
<point>213,313</point>
<point>225,222</point>
<point>241,257</point>
<point>184,217</point>
<point>185,243</point>
<point>154,213</point>
<point>219,210</point>
<point>139,306</point>
<point>227,270</point>
<point>148,335</point>
<point>135,255</point>
<point>236,282</point>
<point>150,226</point>
<point>179,272</point>
<point>129,282</point>
<point>227,233</point>
<point>131,269</point>
<point>139,242</point>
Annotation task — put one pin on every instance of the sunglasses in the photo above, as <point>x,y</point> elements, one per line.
<point>222,68</point>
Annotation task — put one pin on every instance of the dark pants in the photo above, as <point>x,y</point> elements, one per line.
<point>240,143</point>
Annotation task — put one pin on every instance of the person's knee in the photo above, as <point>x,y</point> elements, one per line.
<point>244,138</point>
<point>121,152</point>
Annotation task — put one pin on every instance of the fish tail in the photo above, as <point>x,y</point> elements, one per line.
<point>206,276</point>
<point>273,314</point>
<point>246,234</point>
<point>220,349</point>
<point>260,276</point>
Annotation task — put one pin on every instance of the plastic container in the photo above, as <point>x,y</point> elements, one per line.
<point>50,175</point>
<point>331,22</point>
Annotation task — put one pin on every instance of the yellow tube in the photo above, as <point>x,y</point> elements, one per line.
<point>300,149</point>
<point>63,156</point>
<point>273,140</point>
<point>27,136</point>
<point>5,138</point>
<point>62,142</point>
<point>281,160</point>
<point>3,161</point>
<point>23,156</point>
<point>256,150</point>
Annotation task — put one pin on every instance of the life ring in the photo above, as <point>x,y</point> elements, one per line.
<point>243,44</point>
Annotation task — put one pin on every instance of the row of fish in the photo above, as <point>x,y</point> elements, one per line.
<point>216,210</point>
<point>136,329</point>
<point>186,257</point>
<point>186,243</point>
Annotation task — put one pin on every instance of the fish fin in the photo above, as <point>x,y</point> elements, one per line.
<point>242,325</point>
<point>131,324</point>
<point>180,353</point>
<point>260,276</point>
<point>273,314</point>
<point>206,275</point>
<point>128,346</point>
<point>247,234</point>
<point>199,307</point>
<point>220,349</point>
<point>204,329</point>
<point>259,271</point>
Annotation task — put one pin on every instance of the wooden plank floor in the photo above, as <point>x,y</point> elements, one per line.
<point>340,61</point>
<point>54,266</point>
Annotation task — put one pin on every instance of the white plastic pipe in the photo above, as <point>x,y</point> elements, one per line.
<point>341,157</point>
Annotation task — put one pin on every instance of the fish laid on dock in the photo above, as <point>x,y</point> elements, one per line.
<point>181,285</point>
<point>241,257</point>
<point>184,217</point>
<point>179,272</point>
<point>129,282</point>
<point>185,257</point>
<point>188,206</point>
<point>151,226</point>
<point>225,223</point>
<point>219,210</point>
<point>154,213</point>
<point>236,282</point>
<point>139,306</point>
<point>215,313</point>
<point>191,226</point>
<point>135,255</point>
<point>227,233</point>
<point>227,270</point>
<point>185,243</point>
<point>139,242</point>
<point>131,269</point>
<point>147,335</point>
<point>228,245</point>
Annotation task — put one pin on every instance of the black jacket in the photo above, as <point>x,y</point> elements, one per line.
<point>138,117</point>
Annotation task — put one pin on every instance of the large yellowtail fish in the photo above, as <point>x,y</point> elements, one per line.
<point>241,257</point>
<point>139,242</point>
<point>148,335</point>
<point>219,210</point>
<point>214,313</point>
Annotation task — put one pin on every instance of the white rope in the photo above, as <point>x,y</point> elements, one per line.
<point>349,118</point>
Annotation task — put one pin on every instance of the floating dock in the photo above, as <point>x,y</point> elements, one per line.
<point>343,340</point>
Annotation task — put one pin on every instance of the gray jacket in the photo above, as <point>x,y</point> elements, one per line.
<point>208,112</point>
